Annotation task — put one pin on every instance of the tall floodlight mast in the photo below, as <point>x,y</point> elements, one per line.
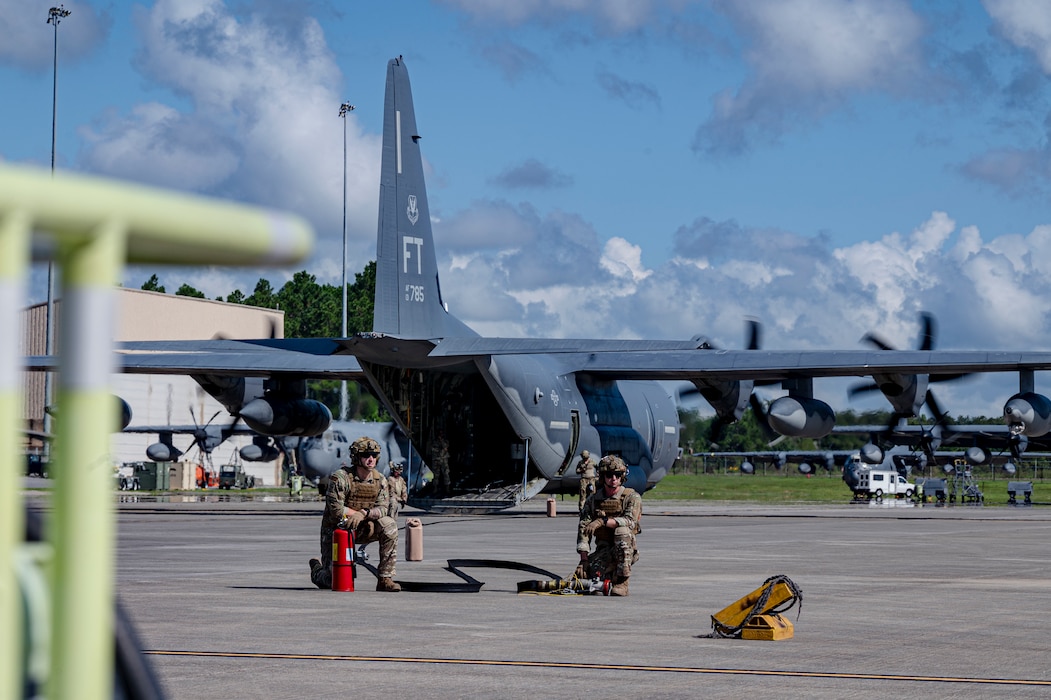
<point>54,16</point>
<point>344,109</point>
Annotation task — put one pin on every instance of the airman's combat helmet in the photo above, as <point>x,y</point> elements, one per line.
<point>364,446</point>
<point>612,464</point>
<point>585,454</point>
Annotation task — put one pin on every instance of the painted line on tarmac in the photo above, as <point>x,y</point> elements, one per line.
<point>603,667</point>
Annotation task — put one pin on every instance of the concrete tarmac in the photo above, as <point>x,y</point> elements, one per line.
<point>898,601</point>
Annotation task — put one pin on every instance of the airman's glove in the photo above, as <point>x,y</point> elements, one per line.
<point>591,528</point>
<point>581,571</point>
<point>355,519</point>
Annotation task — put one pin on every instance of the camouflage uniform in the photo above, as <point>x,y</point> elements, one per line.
<point>347,494</point>
<point>615,547</point>
<point>440,465</point>
<point>399,490</point>
<point>588,479</point>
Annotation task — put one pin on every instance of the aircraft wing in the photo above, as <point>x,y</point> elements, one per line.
<point>775,365</point>
<point>307,357</point>
<point>451,347</point>
<point>620,359</point>
<point>675,360</point>
<point>991,436</point>
<point>808,460</point>
<point>947,433</point>
<point>783,456</point>
<point>239,429</point>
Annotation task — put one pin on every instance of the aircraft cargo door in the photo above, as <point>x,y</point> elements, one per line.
<point>658,442</point>
<point>574,441</point>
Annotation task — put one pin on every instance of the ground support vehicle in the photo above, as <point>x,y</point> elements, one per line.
<point>233,476</point>
<point>878,483</point>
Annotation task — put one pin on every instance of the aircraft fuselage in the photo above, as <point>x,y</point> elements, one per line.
<point>514,418</point>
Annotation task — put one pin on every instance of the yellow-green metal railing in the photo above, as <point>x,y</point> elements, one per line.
<point>93,226</point>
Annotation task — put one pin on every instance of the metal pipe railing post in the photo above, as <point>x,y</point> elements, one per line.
<point>14,260</point>
<point>82,519</point>
<point>93,226</point>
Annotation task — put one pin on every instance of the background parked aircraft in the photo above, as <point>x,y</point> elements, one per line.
<point>806,461</point>
<point>977,443</point>
<point>314,457</point>
<point>319,455</point>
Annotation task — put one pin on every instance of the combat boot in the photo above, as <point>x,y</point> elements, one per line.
<point>387,585</point>
<point>315,567</point>
<point>620,588</point>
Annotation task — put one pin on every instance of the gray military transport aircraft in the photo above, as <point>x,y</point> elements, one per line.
<point>515,412</point>
<point>314,456</point>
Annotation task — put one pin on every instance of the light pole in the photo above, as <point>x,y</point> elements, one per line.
<point>344,109</point>
<point>54,16</point>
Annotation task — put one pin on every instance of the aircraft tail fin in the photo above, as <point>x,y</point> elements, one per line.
<point>408,300</point>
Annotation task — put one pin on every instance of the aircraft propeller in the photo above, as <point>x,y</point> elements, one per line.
<point>762,417</point>
<point>728,398</point>
<point>928,443</point>
<point>906,392</point>
<point>206,440</point>
<point>931,439</point>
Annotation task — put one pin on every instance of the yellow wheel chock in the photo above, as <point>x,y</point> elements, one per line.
<point>757,615</point>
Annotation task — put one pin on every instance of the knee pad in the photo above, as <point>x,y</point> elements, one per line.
<point>388,525</point>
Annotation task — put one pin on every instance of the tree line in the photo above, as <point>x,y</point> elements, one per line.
<point>312,310</point>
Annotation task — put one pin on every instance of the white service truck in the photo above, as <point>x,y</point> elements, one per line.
<point>877,483</point>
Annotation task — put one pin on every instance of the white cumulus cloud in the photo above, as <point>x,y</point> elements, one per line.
<point>807,57</point>
<point>1025,23</point>
<point>261,124</point>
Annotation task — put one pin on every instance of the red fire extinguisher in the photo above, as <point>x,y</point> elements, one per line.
<point>343,572</point>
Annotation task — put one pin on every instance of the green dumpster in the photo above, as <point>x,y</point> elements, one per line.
<point>153,476</point>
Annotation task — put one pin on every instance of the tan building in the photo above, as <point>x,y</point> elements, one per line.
<point>160,399</point>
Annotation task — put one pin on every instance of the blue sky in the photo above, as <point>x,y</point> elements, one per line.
<point>646,168</point>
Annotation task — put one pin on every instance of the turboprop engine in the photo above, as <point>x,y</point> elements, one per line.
<point>274,407</point>
<point>163,451</point>
<point>729,399</point>
<point>261,450</point>
<point>905,392</point>
<point>800,416</point>
<point>272,415</point>
<point>1028,413</point>
<point>976,456</point>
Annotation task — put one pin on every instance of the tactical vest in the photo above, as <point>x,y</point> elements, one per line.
<point>363,494</point>
<point>612,507</point>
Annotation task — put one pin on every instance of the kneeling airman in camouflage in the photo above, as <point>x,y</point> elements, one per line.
<point>357,500</point>
<point>610,516</point>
